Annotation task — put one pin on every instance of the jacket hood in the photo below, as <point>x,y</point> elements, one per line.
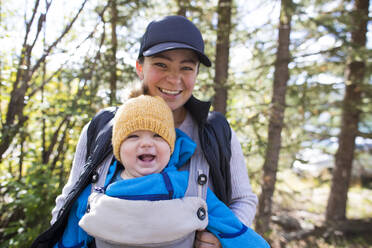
<point>184,148</point>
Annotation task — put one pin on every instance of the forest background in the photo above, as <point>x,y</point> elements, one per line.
<point>292,76</point>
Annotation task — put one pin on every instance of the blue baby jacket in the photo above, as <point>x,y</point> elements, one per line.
<point>169,184</point>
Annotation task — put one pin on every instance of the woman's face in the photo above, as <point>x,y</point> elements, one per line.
<point>170,75</point>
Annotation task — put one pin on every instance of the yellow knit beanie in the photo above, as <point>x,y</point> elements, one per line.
<point>143,112</point>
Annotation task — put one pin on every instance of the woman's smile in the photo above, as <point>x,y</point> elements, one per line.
<point>170,92</point>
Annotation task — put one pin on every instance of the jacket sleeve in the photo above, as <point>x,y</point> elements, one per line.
<point>230,231</point>
<point>76,170</point>
<point>243,200</point>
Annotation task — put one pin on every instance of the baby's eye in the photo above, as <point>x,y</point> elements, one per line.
<point>132,136</point>
<point>157,135</point>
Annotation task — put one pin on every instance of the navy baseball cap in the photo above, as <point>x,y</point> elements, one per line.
<point>173,32</point>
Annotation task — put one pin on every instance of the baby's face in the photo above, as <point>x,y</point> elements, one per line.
<point>143,153</point>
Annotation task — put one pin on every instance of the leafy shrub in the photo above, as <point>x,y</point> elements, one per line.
<point>25,205</point>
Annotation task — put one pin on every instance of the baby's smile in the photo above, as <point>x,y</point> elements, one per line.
<point>146,157</point>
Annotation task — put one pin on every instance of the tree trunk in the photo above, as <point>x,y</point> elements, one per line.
<point>281,76</point>
<point>114,43</point>
<point>354,75</point>
<point>222,55</point>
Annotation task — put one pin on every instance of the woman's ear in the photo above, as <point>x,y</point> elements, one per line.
<point>139,70</point>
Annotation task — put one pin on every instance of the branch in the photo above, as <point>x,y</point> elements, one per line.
<point>45,82</point>
<point>90,35</point>
<point>25,46</point>
<point>54,44</point>
<point>29,24</point>
<point>40,22</point>
<point>62,144</point>
<point>331,50</point>
<point>364,135</point>
<point>49,150</point>
<point>303,234</point>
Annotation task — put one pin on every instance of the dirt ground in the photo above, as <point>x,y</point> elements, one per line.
<point>299,205</point>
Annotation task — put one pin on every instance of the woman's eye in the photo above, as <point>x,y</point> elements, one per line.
<point>187,68</point>
<point>161,65</point>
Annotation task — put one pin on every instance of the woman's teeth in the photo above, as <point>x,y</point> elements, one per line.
<point>170,92</point>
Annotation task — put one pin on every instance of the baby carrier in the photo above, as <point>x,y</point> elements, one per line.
<point>215,139</point>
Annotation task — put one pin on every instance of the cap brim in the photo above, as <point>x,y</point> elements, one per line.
<point>162,47</point>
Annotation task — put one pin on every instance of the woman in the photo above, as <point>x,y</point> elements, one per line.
<point>168,63</point>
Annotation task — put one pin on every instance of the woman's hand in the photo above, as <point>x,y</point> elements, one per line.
<point>205,239</point>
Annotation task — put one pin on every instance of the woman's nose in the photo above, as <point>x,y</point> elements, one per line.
<point>174,77</point>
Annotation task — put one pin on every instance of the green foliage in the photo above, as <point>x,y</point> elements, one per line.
<point>25,205</point>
